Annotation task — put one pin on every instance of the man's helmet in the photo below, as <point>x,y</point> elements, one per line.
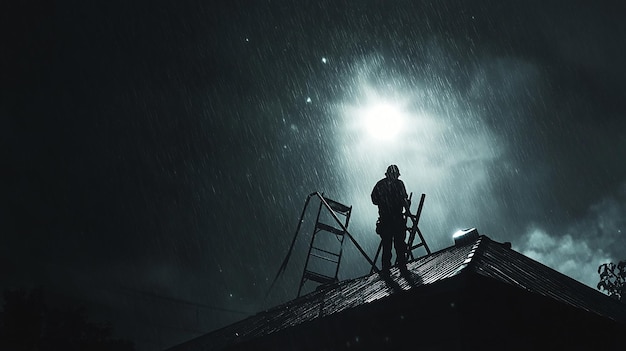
<point>392,171</point>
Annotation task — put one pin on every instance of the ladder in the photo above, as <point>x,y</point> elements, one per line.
<point>322,230</point>
<point>326,247</point>
<point>412,230</point>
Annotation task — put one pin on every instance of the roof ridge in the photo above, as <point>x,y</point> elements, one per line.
<point>477,247</point>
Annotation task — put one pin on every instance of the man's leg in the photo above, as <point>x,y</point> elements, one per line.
<point>386,257</point>
<point>400,245</point>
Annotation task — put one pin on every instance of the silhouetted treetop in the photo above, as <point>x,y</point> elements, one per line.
<point>612,279</point>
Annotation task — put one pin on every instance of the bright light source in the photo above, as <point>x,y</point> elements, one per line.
<point>383,121</point>
<point>461,232</point>
<point>465,236</point>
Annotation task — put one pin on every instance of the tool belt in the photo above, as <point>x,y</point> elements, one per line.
<point>383,226</point>
<point>379,227</point>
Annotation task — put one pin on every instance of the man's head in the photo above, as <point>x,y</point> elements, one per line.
<point>392,172</point>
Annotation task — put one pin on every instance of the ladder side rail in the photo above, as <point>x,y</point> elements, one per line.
<point>380,246</point>
<point>308,256</point>
<point>283,265</point>
<point>306,263</point>
<point>419,232</point>
<point>409,253</point>
<point>415,219</point>
<point>419,207</point>
<point>348,215</point>
<point>338,209</point>
<point>339,257</point>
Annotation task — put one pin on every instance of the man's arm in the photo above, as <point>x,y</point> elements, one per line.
<point>375,195</point>
<point>405,197</point>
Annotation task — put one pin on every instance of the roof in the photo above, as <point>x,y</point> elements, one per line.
<point>483,257</point>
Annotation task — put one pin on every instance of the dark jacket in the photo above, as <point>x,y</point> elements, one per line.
<point>390,197</point>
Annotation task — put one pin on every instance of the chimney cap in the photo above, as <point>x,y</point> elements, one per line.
<point>465,236</point>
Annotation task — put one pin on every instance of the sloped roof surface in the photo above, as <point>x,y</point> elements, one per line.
<point>496,261</point>
<point>483,256</point>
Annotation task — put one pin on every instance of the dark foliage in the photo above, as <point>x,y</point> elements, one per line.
<point>612,279</point>
<point>27,324</point>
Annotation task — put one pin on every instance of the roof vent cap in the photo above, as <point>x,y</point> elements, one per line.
<point>465,236</point>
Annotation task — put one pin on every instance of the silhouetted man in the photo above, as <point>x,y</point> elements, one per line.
<point>390,196</point>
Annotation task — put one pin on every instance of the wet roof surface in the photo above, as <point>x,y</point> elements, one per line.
<point>496,261</point>
<point>484,256</point>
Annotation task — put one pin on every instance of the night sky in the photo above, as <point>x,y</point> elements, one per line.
<point>156,155</point>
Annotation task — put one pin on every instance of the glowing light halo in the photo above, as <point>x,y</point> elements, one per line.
<point>383,121</point>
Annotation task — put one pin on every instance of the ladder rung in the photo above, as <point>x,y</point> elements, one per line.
<point>326,251</point>
<point>336,206</point>
<point>320,278</point>
<point>324,258</point>
<point>328,228</point>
